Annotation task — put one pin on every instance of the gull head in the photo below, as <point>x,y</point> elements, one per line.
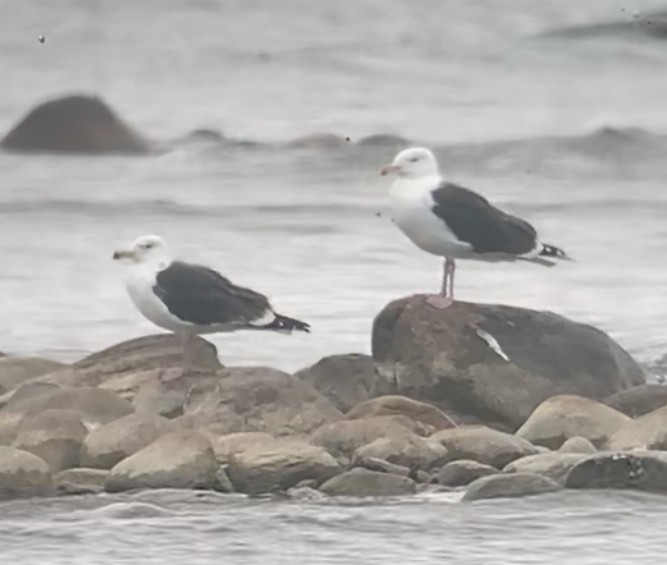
<point>415,162</point>
<point>147,249</point>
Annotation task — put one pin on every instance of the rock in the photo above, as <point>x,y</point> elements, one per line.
<point>345,437</point>
<point>577,445</point>
<point>362,482</point>
<point>553,465</point>
<point>392,405</point>
<point>646,432</point>
<point>438,356</point>
<point>483,445</point>
<point>74,124</point>
<point>260,399</point>
<point>94,406</point>
<point>17,370</point>
<point>113,442</point>
<point>124,367</point>
<point>383,140</point>
<point>182,460</point>
<point>380,465</point>
<point>55,436</point>
<point>638,470</point>
<point>225,447</point>
<point>407,450</point>
<point>509,485</point>
<point>23,474</point>
<point>462,472</point>
<point>638,400</point>
<point>562,417</point>
<point>80,481</point>
<point>279,465</point>
<point>318,141</point>
<point>27,390</point>
<point>345,380</point>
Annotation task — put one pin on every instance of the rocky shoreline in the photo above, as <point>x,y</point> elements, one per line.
<point>496,400</point>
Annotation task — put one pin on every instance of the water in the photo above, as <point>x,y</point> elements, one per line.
<point>512,112</point>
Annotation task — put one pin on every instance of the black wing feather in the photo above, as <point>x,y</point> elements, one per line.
<point>202,296</point>
<point>486,228</point>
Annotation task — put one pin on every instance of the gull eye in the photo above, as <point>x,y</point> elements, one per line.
<point>148,245</point>
<point>414,159</point>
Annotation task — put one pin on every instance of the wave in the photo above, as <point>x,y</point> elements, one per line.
<point>651,25</point>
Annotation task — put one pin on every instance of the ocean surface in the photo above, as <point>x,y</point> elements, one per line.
<point>568,132</point>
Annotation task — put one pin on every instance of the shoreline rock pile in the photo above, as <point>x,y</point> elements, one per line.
<point>498,401</point>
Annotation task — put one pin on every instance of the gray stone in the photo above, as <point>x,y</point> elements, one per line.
<point>483,445</point>
<point>411,451</point>
<point>375,464</point>
<point>646,432</point>
<point>362,482</point>
<point>431,417</point>
<point>23,474</point>
<point>226,446</point>
<point>80,481</point>
<point>577,445</point>
<point>437,356</point>
<point>113,442</point>
<point>554,465</point>
<point>14,371</point>
<point>561,417</point>
<point>462,472</point>
<point>509,486</point>
<point>638,400</point>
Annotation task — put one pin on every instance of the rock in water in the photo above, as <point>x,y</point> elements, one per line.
<point>362,482</point>
<point>553,465</point>
<point>562,417</point>
<point>80,481</point>
<point>463,472</point>
<point>23,474</point>
<point>456,358</point>
<point>638,400</point>
<point>511,485</point>
<point>74,124</point>
<point>410,451</point>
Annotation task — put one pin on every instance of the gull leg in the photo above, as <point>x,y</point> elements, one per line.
<point>445,298</point>
<point>452,270</point>
<point>186,340</point>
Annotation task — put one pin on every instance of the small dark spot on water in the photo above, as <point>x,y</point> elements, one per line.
<point>41,38</point>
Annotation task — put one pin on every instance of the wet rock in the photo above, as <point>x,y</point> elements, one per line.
<point>380,465</point>
<point>279,465</point>
<point>561,417</point>
<point>392,405</point>
<point>509,485</point>
<point>362,482</point>
<point>343,438</point>
<point>23,474</point>
<point>638,470</point>
<point>407,450</point>
<point>117,440</point>
<point>554,465</point>
<point>646,432</point>
<point>463,472</point>
<point>259,399</point>
<point>14,371</point>
<point>54,435</point>
<point>638,400</point>
<point>577,445</point>
<point>384,140</point>
<point>182,460</point>
<point>442,357</point>
<point>345,380</point>
<point>483,445</point>
<point>318,141</point>
<point>74,124</point>
<point>80,481</point>
<point>27,390</point>
<point>226,446</point>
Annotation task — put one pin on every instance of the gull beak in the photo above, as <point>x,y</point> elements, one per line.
<point>389,169</point>
<point>118,255</point>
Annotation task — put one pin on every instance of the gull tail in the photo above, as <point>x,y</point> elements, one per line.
<point>284,324</point>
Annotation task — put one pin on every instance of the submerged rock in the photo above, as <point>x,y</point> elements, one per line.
<point>494,364</point>
<point>562,417</point>
<point>362,482</point>
<point>638,400</point>
<point>23,474</point>
<point>74,124</point>
<point>510,485</point>
<point>346,380</point>
<point>554,465</point>
<point>393,405</point>
<point>462,472</point>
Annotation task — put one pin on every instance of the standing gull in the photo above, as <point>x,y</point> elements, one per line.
<point>190,299</point>
<point>456,223</point>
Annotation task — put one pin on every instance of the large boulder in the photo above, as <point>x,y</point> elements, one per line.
<point>53,435</point>
<point>462,472</point>
<point>278,465</point>
<point>638,400</point>
<point>74,124</point>
<point>494,364</point>
<point>23,474</point>
<point>345,379</point>
<point>182,460</point>
<point>343,438</point>
<point>509,486</point>
<point>363,482</point>
<point>408,450</point>
<point>483,445</point>
<point>227,446</point>
<point>562,417</point>
<point>251,399</point>
<point>553,465</point>
<point>113,442</point>
<point>638,470</point>
<point>14,371</point>
<point>646,432</point>
<point>577,445</point>
<point>393,405</point>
